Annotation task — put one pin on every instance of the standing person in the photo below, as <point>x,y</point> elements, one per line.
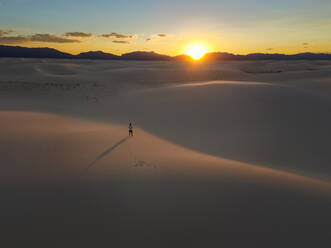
<point>130,129</point>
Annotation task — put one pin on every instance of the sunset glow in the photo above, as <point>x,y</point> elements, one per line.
<point>129,28</point>
<point>196,51</point>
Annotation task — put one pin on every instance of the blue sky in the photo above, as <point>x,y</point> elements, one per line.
<point>259,24</point>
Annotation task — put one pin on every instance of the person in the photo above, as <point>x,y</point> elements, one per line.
<point>130,129</point>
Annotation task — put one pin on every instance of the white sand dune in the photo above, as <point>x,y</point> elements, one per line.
<point>214,160</point>
<point>277,126</point>
<point>87,183</point>
<point>62,149</point>
<point>281,127</point>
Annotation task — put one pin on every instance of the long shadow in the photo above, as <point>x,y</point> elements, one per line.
<point>109,150</point>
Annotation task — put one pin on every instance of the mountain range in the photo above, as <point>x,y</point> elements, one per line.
<point>25,52</point>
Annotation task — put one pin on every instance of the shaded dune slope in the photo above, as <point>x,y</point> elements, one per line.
<point>276,126</point>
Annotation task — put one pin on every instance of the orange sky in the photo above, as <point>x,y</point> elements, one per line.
<point>168,27</point>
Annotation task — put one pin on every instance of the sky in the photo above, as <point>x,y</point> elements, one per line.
<point>168,27</point>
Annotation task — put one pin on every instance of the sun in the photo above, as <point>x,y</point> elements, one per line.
<point>196,51</point>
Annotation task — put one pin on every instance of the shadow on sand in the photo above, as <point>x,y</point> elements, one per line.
<point>109,150</point>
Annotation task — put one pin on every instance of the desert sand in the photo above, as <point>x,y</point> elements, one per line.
<point>232,154</point>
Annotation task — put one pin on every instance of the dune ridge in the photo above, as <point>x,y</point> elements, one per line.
<point>69,133</point>
<point>234,154</point>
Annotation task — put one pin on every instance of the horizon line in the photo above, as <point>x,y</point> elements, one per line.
<point>172,56</point>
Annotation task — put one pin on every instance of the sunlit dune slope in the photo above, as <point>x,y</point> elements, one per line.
<point>45,148</point>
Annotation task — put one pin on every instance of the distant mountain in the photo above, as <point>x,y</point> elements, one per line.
<point>96,55</point>
<point>312,56</point>
<point>24,52</point>
<point>183,57</point>
<point>145,56</point>
<point>267,56</point>
<point>222,56</point>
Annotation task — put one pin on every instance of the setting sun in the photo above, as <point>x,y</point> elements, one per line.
<point>196,51</point>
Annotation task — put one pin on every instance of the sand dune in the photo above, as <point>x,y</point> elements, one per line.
<point>264,124</point>
<point>156,73</point>
<point>277,126</point>
<point>52,152</point>
<point>143,187</point>
<point>212,159</point>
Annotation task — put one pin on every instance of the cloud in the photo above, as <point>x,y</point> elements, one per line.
<point>13,39</point>
<point>118,36</point>
<point>121,42</point>
<point>5,32</point>
<point>270,49</point>
<point>305,45</point>
<point>156,36</point>
<point>78,34</point>
<point>35,38</point>
<point>51,38</point>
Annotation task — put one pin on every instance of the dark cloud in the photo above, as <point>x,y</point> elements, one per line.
<point>5,32</point>
<point>156,36</point>
<point>305,44</point>
<point>13,39</point>
<point>270,49</point>
<point>118,36</point>
<point>35,38</point>
<point>78,34</point>
<point>121,42</point>
<point>51,38</point>
<point>104,35</point>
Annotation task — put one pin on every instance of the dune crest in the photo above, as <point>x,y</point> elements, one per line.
<point>59,148</point>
